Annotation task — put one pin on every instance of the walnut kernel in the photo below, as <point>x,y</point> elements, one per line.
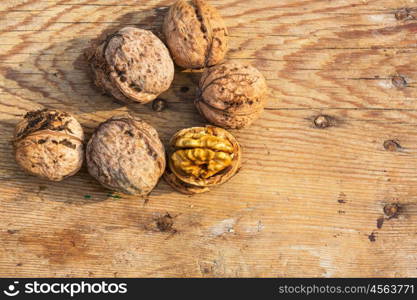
<point>126,155</point>
<point>195,34</point>
<point>231,95</point>
<point>49,144</point>
<point>202,157</point>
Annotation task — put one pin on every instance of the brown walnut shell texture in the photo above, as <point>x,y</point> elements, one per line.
<point>126,155</point>
<point>132,65</point>
<point>231,95</point>
<point>49,144</point>
<point>195,34</point>
<point>190,185</point>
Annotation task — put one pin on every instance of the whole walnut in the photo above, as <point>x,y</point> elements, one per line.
<point>131,64</point>
<point>200,158</point>
<point>126,155</point>
<point>231,95</point>
<point>195,34</point>
<point>49,144</point>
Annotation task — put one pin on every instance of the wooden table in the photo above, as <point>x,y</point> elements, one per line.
<point>336,144</point>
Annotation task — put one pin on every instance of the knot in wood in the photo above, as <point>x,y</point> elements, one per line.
<point>391,145</point>
<point>399,81</point>
<point>322,121</point>
<point>391,210</point>
<point>165,223</point>
<point>402,14</point>
<point>158,105</point>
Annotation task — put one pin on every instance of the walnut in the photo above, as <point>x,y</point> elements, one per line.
<point>126,155</point>
<point>131,64</point>
<point>195,34</point>
<point>49,144</point>
<point>202,157</point>
<point>231,95</point>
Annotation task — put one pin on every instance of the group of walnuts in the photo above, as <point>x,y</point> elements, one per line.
<point>125,154</point>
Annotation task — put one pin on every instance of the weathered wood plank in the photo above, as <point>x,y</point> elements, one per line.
<point>307,200</point>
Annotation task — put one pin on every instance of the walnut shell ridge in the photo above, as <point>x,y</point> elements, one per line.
<point>195,34</point>
<point>190,185</point>
<point>126,155</point>
<point>49,144</point>
<point>131,65</point>
<point>231,95</point>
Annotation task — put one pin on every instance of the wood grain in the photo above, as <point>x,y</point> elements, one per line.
<point>309,200</point>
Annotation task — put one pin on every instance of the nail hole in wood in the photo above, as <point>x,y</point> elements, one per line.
<point>184,89</point>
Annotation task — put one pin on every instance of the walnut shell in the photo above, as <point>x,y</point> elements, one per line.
<point>49,144</point>
<point>132,65</point>
<point>231,95</point>
<point>195,34</point>
<point>181,176</point>
<point>126,155</point>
